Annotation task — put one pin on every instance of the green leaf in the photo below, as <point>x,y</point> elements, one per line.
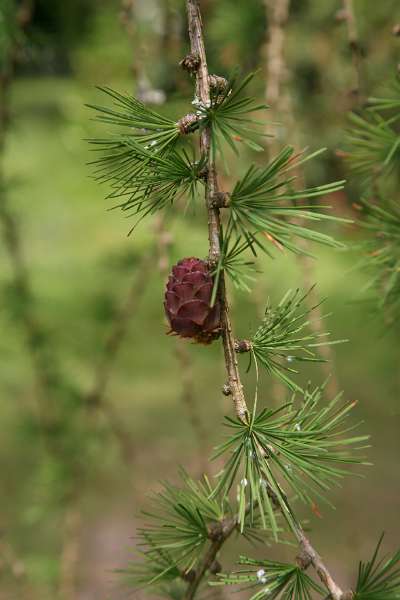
<point>372,142</point>
<point>272,579</point>
<point>381,255</point>
<point>176,531</point>
<point>305,447</point>
<point>265,202</point>
<point>230,118</point>
<point>145,125</point>
<point>146,181</point>
<point>379,579</point>
<point>286,336</point>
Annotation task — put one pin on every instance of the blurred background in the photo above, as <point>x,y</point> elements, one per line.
<point>97,402</point>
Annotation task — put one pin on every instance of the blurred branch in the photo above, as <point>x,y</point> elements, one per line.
<point>9,559</point>
<point>96,397</point>
<point>43,362</point>
<point>225,531</point>
<point>70,553</point>
<point>164,241</point>
<point>347,14</point>
<point>130,21</point>
<point>189,400</point>
<point>278,13</point>
<point>276,74</point>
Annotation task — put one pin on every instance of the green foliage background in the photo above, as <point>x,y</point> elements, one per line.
<point>82,264</point>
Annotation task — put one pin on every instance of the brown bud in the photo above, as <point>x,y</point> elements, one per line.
<point>226,389</point>
<point>242,346</point>
<point>188,123</point>
<point>303,560</point>
<point>190,63</point>
<point>348,595</point>
<point>396,30</point>
<point>217,84</point>
<point>220,200</point>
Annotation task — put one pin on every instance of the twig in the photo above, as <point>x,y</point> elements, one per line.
<point>8,558</point>
<point>225,530</point>
<point>118,332</point>
<point>189,400</point>
<point>69,559</point>
<point>310,553</point>
<point>164,241</point>
<point>276,74</point>
<point>203,93</point>
<point>278,12</point>
<point>348,16</point>
<point>234,381</point>
<point>43,361</point>
<point>96,399</point>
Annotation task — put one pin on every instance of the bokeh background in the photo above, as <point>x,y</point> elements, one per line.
<point>98,404</point>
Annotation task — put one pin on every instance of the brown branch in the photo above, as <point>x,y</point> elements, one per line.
<point>234,381</point>
<point>276,73</point>
<point>189,401</point>
<point>69,560</point>
<point>43,362</point>
<point>278,12</point>
<point>348,15</point>
<point>225,530</point>
<point>96,397</point>
<point>118,331</point>
<point>164,241</point>
<point>203,94</point>
<point>309,552</point>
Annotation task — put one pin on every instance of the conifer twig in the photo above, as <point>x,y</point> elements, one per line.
<point>225,530</point>
<point>203,93</point>
<point>234,381</point>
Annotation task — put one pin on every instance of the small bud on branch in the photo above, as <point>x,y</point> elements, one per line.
<point>190,63</point>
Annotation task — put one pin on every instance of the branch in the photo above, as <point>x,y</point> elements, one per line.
<point>189,401</point>
<point>214,224</point>
<point>220,537</point>
<point>347,14</point>
<point>164,241</point>
<point>234,381</point>
<point>278,12</point>
<point>335,592</point>
<point>43,362</point>
<point>276,73</point>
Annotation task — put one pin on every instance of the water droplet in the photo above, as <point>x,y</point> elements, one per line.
<point>244,482</point>
<point>290,358</point>
<point>297,427</point>
<point>260,573</point>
